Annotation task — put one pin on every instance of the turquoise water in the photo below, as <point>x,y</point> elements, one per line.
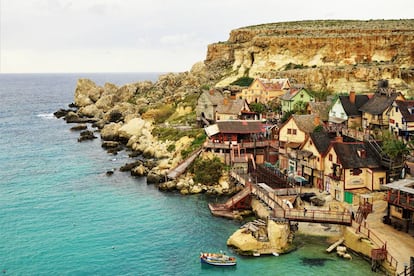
<point>61,215</point>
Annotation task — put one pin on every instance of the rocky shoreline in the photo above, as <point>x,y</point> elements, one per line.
<point>119,115</point>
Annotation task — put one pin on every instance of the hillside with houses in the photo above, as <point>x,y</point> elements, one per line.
<point>263,131</point>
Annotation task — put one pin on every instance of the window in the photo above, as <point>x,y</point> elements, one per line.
<point>396,109</point>
<point>356,171</point>
<point>294,131</point>
<point>310,142</point>
<point>381,181</point>
<point>330,157</point>
<point>289,131</point>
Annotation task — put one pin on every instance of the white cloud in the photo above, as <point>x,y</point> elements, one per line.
<point>158,35</point>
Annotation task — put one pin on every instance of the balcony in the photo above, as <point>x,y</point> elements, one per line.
<point>334,177</point>
<point>242,145</point>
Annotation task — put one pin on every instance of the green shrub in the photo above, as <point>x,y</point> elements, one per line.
<point>198,141</point>
<point>243,81</point>
<point>207,171</point>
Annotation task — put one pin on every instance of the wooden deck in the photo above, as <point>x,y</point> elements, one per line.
<point>277,202</point>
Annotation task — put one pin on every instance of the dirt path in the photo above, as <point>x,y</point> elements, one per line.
<point>399,244</point>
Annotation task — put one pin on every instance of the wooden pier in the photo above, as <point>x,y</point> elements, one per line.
<point>275,199</point>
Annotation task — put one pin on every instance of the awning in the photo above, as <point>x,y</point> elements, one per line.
<point>293,145</point>
<point>336,120</point>
<point>211,130</point>
<point>304,153</point>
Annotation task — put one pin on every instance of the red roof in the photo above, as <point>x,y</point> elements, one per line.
<point>240,127</point>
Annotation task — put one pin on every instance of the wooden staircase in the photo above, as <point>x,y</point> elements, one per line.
<point>394,167</point>
<point>363,211</point>
<point>241,200</point>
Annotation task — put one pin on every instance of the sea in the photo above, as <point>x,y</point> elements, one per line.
<point>60,214</point>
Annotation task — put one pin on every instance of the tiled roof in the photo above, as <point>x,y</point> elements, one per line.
<point>321,141</point>
<point>273,84</point>
<point>231,107</point>
<point>349,158</point>
<point>352,109</point>
<point>404,109</point>
<point>214,96</point>
<point>239,126</point>
<point>290,94</point>
<point>379,103</point>
<point>321,109</point>
<point>306,123</point>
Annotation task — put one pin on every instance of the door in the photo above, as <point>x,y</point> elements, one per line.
<point>349,197</point>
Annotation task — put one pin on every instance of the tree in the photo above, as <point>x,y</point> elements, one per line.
<point>396,149</point>
<point>258,107</point>
<point>300,107</point>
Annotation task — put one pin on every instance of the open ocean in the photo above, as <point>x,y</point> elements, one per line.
<point>61,215</point>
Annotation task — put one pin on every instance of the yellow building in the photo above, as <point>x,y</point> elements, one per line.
<point>311,157</point>
<point>375,111</point>
<point>401,119</point>
<point>292,134</point>
<point>351,166</point>
<point>264,90</point>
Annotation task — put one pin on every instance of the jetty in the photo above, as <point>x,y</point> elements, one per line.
<point>275,200</point>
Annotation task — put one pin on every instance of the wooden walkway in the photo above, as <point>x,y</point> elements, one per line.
<point>280,208</point>
<point>226,209</point>
<point>180,169</point>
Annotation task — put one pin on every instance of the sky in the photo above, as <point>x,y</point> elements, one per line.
<point>62,36</point>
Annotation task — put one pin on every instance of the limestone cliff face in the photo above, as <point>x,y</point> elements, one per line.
<point>331,55</point>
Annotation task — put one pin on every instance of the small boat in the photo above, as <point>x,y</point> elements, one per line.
<point>218,259</point>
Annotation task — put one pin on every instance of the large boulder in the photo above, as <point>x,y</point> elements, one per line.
<point>110,131</point>
<point>246,243</point>
<point>86,92</point>
<point>91,111</point>
<point>135,127</point>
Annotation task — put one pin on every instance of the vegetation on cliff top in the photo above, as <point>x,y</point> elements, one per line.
<point>336,24</point>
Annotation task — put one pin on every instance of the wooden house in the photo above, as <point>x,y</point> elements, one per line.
<point>375,110</point>
<point>351,166</point>
<point>292,134</point>
<point>240,140</point>
<point>294,96</point>
<point>213,106</point>
<point>311,157</point>
<point>400,209</point>
<point>264,90</point>
<point>401,119</point>
<point>345,112</point>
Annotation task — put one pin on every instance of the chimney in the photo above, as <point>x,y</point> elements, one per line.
<point>225,101</point>
<point>352,96</point>
<point>317,120</point>
<point>339,139</point>
<point>362,153</point>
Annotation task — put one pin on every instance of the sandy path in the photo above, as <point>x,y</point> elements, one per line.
<point>399,244</point>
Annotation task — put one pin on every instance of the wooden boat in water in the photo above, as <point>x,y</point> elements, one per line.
<point>217,259</point>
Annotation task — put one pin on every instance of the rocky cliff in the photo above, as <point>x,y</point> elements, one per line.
<point>324,55</point>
